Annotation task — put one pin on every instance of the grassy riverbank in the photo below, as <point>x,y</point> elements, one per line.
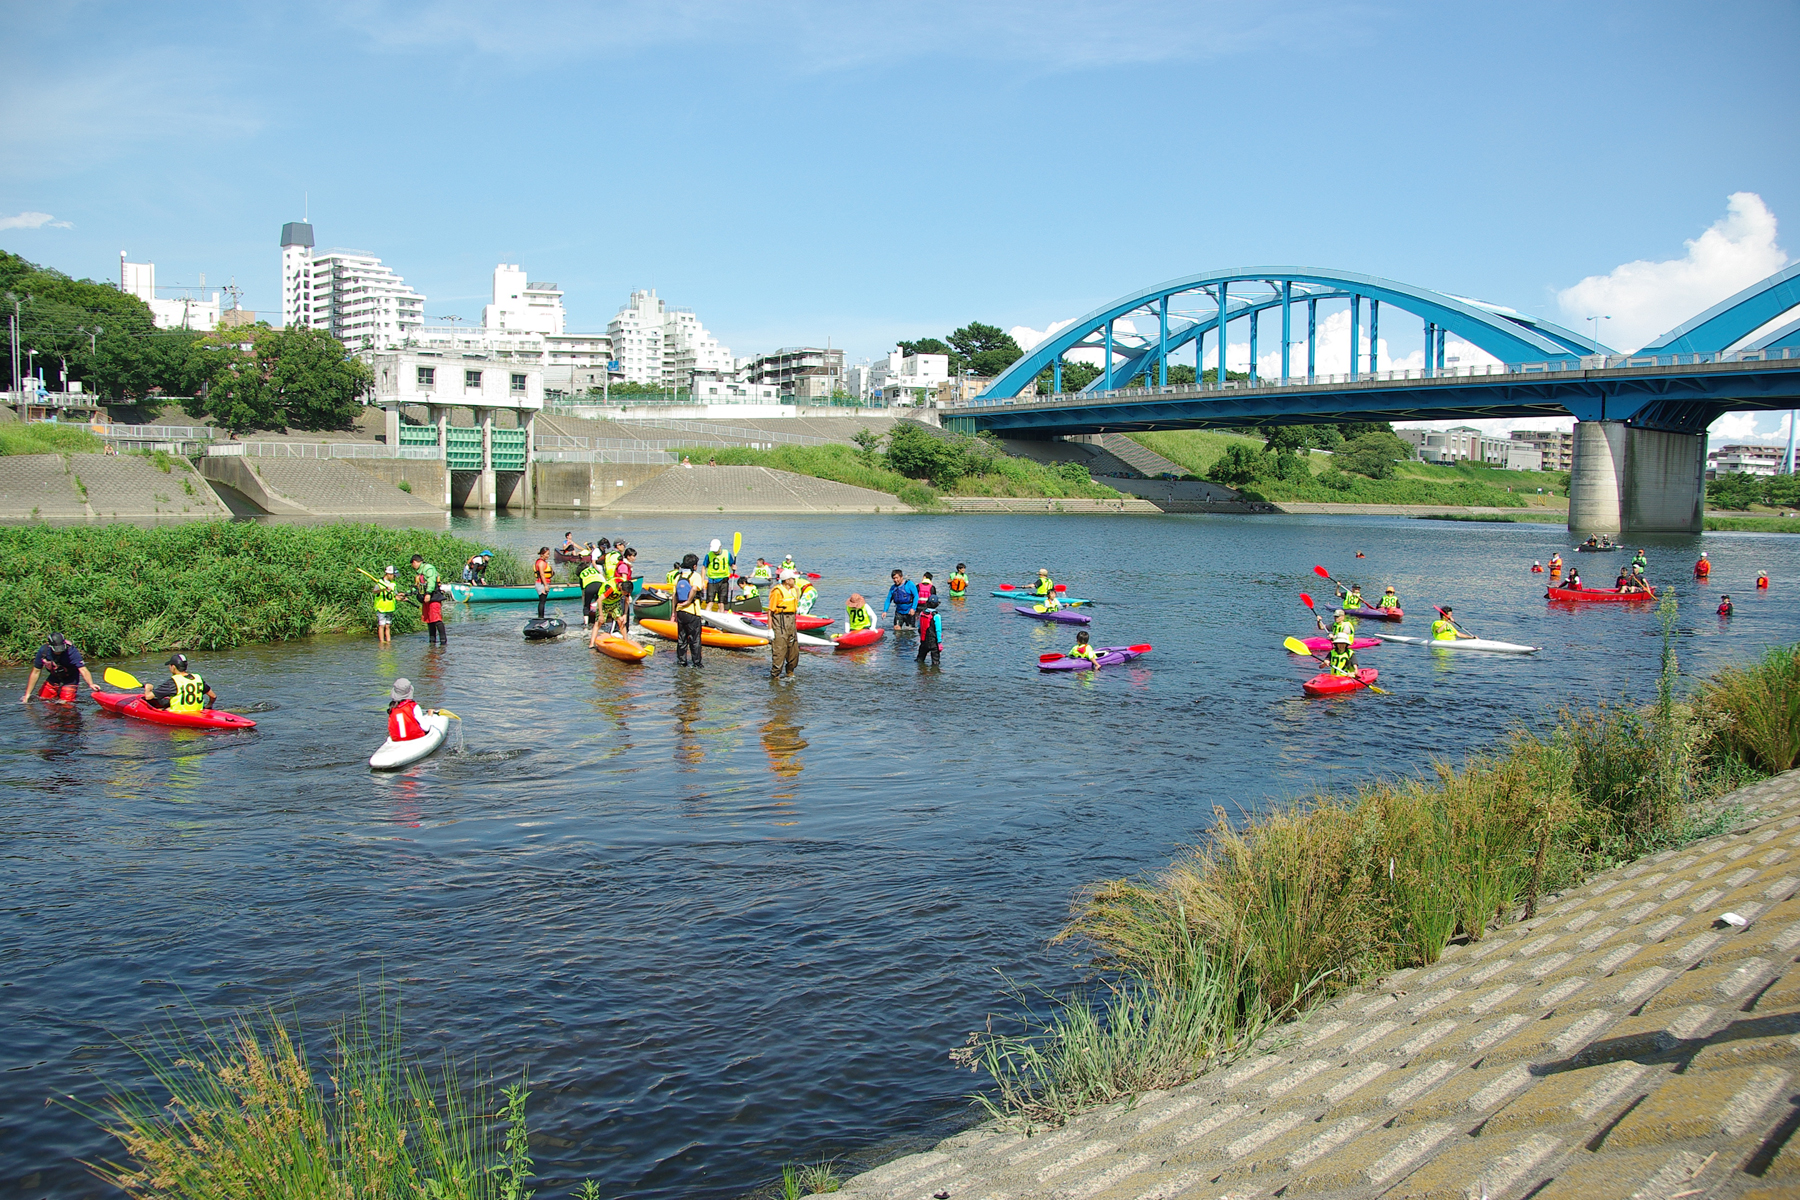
<point>1753,524</point>
<point>1269,916</point>
<point>39,438</point>
<point>992,475</point>
<point>120,590</point>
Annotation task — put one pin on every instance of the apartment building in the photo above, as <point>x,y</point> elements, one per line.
<point>1465,443</point>
<point>807,373</point>
<point>1555,447</point>
<point>1746,459</point>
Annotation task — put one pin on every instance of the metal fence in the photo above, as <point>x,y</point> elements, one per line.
<point>728,431</point>
<point>557,441</point>
<point>633,455</point>
<point>319,450</point>
<point>153,433</point>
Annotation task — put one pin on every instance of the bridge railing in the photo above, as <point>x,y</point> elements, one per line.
<point>1555,366</point>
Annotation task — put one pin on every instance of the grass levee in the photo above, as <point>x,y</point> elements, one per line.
<point>1269,915</point>
<point>121,590</point>
<point>38,438</point>
<point>1003,475</point>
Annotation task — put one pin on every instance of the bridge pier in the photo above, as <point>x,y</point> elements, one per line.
<point>1629,480</point>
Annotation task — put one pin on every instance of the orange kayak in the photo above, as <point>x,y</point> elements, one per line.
<point>708,635</point>
<point>622,648</point>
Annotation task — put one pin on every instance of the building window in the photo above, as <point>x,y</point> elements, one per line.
<point>472,379</point>
<point>518,383</point>
<point>427,378</point>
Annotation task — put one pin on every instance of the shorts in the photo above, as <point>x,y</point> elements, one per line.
<point>613,606</point>
<point>432,612</point>
<point>716,590</point>
<point>384,618</point>
<point>57,691</point>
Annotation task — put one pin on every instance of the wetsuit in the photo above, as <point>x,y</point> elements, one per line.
<point>931,636</point>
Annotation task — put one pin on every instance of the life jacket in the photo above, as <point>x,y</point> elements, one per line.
<point>1762,581</point>
<point>787,564</point>
<point>387,597</point>
<point>959,583</point>
<point>925,590</point>
<point>749,591</point>
<point>718,564</point>
<point>403,721</point>
<point>859,617</point>
<point>1346,625</point>
<point>1353,599</point>
<point>784,597</point>
<point>1724,608</point>
<point>190,694</point>
<point>1703,568</point>
<point>428,583</point>
<point>931,627</point>
<point>609,563</point>
<point>762,574</point>
<point>1388,601</point>
<point>1443,631</point>
<point>544,570</point>
<point>590,575</point>
<point>1045,587</point>
<point>1339,661</point>
<point>1086,652</point>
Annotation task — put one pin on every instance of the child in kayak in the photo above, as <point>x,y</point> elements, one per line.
<point>1083,649</point>
<point>182,691</point>
<point>1341,660</point>
<point>403,713</point>
<point>1444,628</point>
<point>762,573</point>
<point>1388,599</point>
<point>1353,597</point>
<point>857,613</point>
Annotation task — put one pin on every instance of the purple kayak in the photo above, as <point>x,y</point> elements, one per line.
<point>1063,615</point>
<point>1104,656</point>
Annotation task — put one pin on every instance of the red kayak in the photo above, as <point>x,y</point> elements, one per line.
<point>802,621</point>
<point>1337,685</point>
<point>858,638</point>
<point>1319,645</point>
<point>131,704</point>
<point>1589,595</point>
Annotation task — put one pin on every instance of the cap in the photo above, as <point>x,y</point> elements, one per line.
<point>787,573</point>
<point>1337,612</point>
<point>402,690</point>
<point>715,546</point>
<point>1041,571</point>
<point>176,660</point>
<point>57,641</point>
<point>932,603</point>
<point>391,571</point>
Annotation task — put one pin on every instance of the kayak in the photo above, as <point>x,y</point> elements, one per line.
<point>1337,685</point>
<point>1463,644</point>
<point>468,593</point>
<point>802,621</point>
<point>857,639</point>
<point>1027,594</point>
<point>656,604</point>
<point>540,628</point>
<point>1598,549</point>
<point>1375,614</point>
<point>622,648</point>
<point>732,623</point>
<point>394,755</point>
<point>1104,656</point>
<point>708,636</point>
<point>1589,595</point>
<point>131,704</point>
<point>1320,645</point>
<point>1062,615</point>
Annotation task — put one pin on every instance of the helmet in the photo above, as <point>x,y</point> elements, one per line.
<point>391,571</point>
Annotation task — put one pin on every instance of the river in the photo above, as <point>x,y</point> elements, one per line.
<point>725,923</point>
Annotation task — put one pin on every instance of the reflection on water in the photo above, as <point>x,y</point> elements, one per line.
<point>728,924</point>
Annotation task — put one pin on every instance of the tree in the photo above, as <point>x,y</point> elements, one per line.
<point>262,378</point>
<point>867,442</point>
<point>1283,439</point>
<point>928,345</point>
<point>1355,429</point>
<point>985,350</point>
<point>919,454</point>
<point>1181,375</point>
<point>76,322</point>
<point>1239,465</point>
<point>1373,454</point>
<point>1734,491</point>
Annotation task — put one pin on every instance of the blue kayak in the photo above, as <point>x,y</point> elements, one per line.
<point>1024,594</point>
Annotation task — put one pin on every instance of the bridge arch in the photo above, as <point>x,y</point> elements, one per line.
<point>1507,335</point>
<point>1735,318</point>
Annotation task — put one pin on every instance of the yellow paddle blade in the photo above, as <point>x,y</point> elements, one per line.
<point>737,543</point>
<point>444,712</point>
<point>119,678</point>
<point>1297,646</point>
<point>1378,691</point>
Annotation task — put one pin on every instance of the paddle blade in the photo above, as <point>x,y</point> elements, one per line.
<point>1296,646</point>
<point>1048,657</point>
<point>1306,599</point>
<point>444,712</point>
<point>1321,572</point>
<point>1006,587</point>
<point>737,543</point>
<point>814,575</point>
<point>1061,587</point>
<point>1378,690</point>
<point>1140,648</point>
<point>120,679</point>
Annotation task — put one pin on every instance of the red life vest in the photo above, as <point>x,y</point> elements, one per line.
<point>1703,568</point>
<point>403,722</point>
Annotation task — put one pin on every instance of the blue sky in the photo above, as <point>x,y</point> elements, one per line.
<point>796,171</point>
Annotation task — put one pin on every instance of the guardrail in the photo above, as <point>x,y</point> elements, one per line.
<point>737,431</point>
<point>320,450</point>
<point>153,433</point>
<point>646,457</point>
<point>557,441</point>
<point>1485,370</point>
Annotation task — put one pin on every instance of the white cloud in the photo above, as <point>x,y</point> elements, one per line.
<point>1027,337</point>
<point>1645,299</point>
<point>34,220</point>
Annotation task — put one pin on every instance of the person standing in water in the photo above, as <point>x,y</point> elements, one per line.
<point>543,571</point>
<point>931,633</point>
<point>387,599</point>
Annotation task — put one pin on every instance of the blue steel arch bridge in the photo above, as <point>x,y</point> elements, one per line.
<point>1741,354</point>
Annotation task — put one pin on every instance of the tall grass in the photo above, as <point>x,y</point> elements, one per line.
<point>1269,915</point>
<point>1004,475</point>
<point>243,1112</point>
<point>119,589</point>
<point>37,438</point>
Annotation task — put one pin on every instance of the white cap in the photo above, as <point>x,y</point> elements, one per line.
<point>715,546</point>
<point>787,573</point>
<point>1341,638</point>
<point>1337,612</point>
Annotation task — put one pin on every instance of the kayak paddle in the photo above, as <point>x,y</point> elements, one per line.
<point>1453,624</point>
<point>444,712</point>
<point>120,679</point>
<point>1322,573</point>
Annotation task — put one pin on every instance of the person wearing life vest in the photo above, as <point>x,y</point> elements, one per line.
<point>62,666</point>
<point>927,588</point>
<point>543,571</point>
<point>1639,562</point>
<point>1388,599</point>
<point>763,573</point>
<point>931,633</point>
<point>1083,649</point>
<point>857,613</point>
<point>182,692</point>
<point>903,596</point>
<point>1444,628</point>
<point>1573,582</point>
<point>787,564</point>
<point>614,590</point>
<point>1537,568</point>
<point>809,596</point>
<point>747,590</point>
<point>1045,586</point>
<point>1340,623</point>
<point>403,713</point>
<point>1556,563</point>
<point>1762,581</point>
<point>959,580</point>
<point>1724,606</point>
<point>685,597</point>
<point>1341,659</point>
<point>431,600</point>
<point>784,641</point>
<point>1353,598</point>
<point>591,580</point>
<point>1703,568</point>
<point>387,599</point>
<point>718,576</point>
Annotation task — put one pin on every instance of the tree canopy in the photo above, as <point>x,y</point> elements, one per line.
<point>263,378</point>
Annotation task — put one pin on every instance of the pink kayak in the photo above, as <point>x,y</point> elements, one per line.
<point>1320,645</point>
<point>858,638</point>
<point>1337,685</point>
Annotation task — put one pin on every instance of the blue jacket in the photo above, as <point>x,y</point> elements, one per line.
<point>902,596</point>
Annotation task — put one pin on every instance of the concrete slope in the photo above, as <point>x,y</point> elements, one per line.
<point>54,486</point>
<point>39,485</point>
<point>836,429</point>
<point>1141,459</point>
<point>314,487</point>
<point>1625,1042</point>
<point>748,490</point>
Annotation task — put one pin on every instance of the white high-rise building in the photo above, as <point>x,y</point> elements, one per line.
<point>195,311</point>
<point>296,274</point>
<point>521,306</point>
<point>665,347</point>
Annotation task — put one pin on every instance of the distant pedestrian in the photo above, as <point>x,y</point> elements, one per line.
<point>931,633</point>
<point>431,600</point>
<point>387,599</point>
<point>784,642</point>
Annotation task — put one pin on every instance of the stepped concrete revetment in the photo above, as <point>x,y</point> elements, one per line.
<point>314,487</point>
<point>748,490</point>
<point>1625,1042</point>
<point>102,487</point>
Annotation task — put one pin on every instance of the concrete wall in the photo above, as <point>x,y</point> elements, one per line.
<point>584,487</point>
<point>240,475</point>
<point>424,476</point>
<point>1628,480</point>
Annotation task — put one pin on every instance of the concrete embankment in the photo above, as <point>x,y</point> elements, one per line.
<point>319,487</point>
<point>748,490</point>
<point>1417,510</point>
<point>73,487</point>
<point>1626,1042</point>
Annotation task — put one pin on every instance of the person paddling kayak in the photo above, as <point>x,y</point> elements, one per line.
<point>1044,588</point>
<point>1083,649</point>
<point>403,713</point>
<point>183,691</point>
<point>1340,623</point>
<point>1354,597</point>
<point>1389,598</point>
<point>62,664</point>
<point>1341,659</point>
<point>1444,628</point>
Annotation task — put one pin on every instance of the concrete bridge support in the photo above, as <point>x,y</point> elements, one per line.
<point>1629,480</point>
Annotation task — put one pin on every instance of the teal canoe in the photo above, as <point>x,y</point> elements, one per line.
<point>469,594</point>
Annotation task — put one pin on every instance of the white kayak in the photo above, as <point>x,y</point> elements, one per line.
<point>1462,644</point>
<point>394,755</point>
<point>732,623</point>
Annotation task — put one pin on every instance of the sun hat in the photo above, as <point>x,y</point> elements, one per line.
<point>402,690</point>
<point>787,573</point>
<point>856,598</point>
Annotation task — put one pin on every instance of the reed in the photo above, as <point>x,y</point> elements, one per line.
<point>1755,710</point>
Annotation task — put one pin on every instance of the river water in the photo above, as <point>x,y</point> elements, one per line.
<point>725,923</point>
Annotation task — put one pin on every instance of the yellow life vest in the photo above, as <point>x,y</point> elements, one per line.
<point>190,694</point>
<point>590,575</point>
<point>718,564</point>
<point>1443,631</point>
<point>784,597</point>
<point>859,616</point>
<point>387,596</point>
<point>1388,601</point>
